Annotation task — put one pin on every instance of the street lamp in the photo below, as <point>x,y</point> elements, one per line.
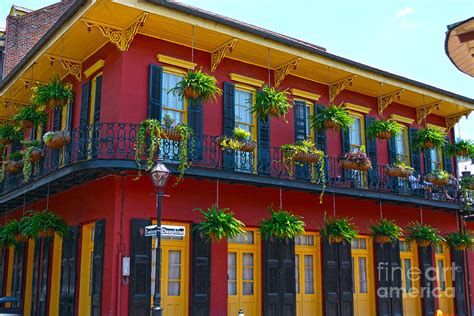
<point>159,176</point>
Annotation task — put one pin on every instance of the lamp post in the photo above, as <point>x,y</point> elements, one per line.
<point>159,176</point>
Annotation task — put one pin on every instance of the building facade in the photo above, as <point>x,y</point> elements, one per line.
<point>122,58</point>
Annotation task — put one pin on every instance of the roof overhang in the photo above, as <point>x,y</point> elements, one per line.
<point>459,45</point>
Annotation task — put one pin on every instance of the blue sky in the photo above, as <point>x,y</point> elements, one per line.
<point>405,37</point>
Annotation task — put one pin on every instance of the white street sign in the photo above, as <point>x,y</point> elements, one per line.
<point>166,231</point>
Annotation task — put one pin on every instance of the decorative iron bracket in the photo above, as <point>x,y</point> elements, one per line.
<point>385,100</point>
<point>338,86</point>
<point>220,52</point>
<point>424,111</point>
<point>73,66</point>
<point>282,71</point>
<point>121,37</point>
<point>454,119</point>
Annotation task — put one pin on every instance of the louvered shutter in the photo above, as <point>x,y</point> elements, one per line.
<point>426,266</point>
<point>346,147</point>
<point>33,132</point>
<point>447,160</point>
<point>140,269</point>
<point>301,172</point>
<point>3,253</point>
<point>200,275</point>
<point>44,273</point>
<point>70,114</point>
<point>98,268</point>
<point>321,142</point>
<point>96,124</point>
<point>36,277</point>
<point>68,273</point>
<point>154,92</point>
<point>392,182</point>
<point>263,143</point>
<point>414,154</point>
<point>279,277</point>
<point>83,120</point>
<point>459,284</point>
<point>195,122</point>
<point>18,273</point>
<point>345,279</point>
<point>228,121</point>
<point>371,146</point>
<point>57,113</point>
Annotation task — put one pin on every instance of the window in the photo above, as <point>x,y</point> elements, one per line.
<point>174,272</point>
<point>244,119</point>
<point>173,105</point>
<point>436,161</point>
<point>232,273</point>
<point>356,133</point>
<point>401,146</point>
<point>304,240</point>
<point>441,273</point>
<point>245,238</point>
<point>359,243</point>
<point>405,246</point>
<point>247,274</point>
<point>308,274</point>
<point>408,275</point>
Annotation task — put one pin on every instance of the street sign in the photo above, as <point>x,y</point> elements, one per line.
<point>166,231</point>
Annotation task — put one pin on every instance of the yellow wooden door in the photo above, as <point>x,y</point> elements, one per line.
<point>174,273</point>
<point>87,263</point>
<point>308,267</point>
<point>410,279</point>
<point>243,274</point>
<point>363,277</point>
<point>444,279</point>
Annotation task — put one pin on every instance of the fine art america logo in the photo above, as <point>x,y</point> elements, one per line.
<point>426,278</point>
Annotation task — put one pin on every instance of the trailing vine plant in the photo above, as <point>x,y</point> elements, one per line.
<point>3,149</point>
<point>32,148</point>
<point>150,128</point>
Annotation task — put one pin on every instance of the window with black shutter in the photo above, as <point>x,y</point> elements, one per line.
<point>200,275</point>
<point>17,287</point>
<point>371,147</point>
<point>97,268</point>
<point>228,121</point>
<point>83,121</point>
<point>154,92</point>
<point>415,157</point>
<point>447,160</point>
<point>195,122</point>
<point>426,281</point>
<point>41,276</point>
<point>321,142</point>
<point>459,282</point>
<point>301,133</point>
<point>68,275</point>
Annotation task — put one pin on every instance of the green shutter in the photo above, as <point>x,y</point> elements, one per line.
<point>154,92</point>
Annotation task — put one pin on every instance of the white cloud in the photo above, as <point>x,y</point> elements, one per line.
<point>405,11</point>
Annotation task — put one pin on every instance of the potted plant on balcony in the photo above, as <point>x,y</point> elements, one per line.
<point>15,163</point>
<point>271,102</point>
<point>429,138</point>
<point>31,155</point>
<point>337,230</point>
<point>423,235</point>
<point>45,224</point>
<point>219,224</point>
<point>14,233</point>
<point>281,225</point>
<point>8,133</point>
<point>385,231</point>
<point>460,240</point>
<point>438,177</point>
<point>29,116</point>
<point>240,141</point>
<point>399,169</point>
<point>53,94</point>
<point>3,150</point>
<point>332,117</point>
<point>384,129</point>
<point>56,140</point>
<point>197,85</point>
<point>461,148</point>
<point>356,160</point>
<point>467,183</point>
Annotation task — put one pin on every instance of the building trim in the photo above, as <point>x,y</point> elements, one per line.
<point>357,108</point>
<point>402,119</point>
<point>175,62</point>
<point>98,65</point>
<point>439,128</point>
<point>247,80</point>
<point>305,94</point>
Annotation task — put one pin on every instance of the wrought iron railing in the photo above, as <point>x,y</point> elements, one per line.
<point>106,141</point>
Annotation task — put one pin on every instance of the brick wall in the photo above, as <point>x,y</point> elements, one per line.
<point>23,32</point>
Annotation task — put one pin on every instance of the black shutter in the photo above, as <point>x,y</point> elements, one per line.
<point>459,285</point>
<point>447,160</point>
<point>57,113</point>
<point>140,269</point>
<point>301,172</point>
<point>68,273</point>
<point>414,154</point>
<point>44,273</point>
<point>427,161</point>
<point>346,147</point>
<point>228,121</point>
<point>98,98</point>
<point>3,253</point>
<point>392,152</point>
<point>263,143</point>
<point>97,268</point>
<point>345,278</point>
<point>83,120</point>
<point>70,114</point>
<point>36,277</point>
<point>18,273</point>
<point>321,142</point>
<point>154,92</point>
<point>195,122</point>
<point>426,266</point>
<point>371,144</point>
<point>389,279</point>
<point>200,275</point>
<point>279,297</point>
<point>33,132</point>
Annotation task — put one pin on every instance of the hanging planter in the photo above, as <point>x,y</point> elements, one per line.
<point>197,85</point>
<point>399,169</point>
<point>219,224</point>
<point>270,102</point>
<point>31,155</point>
<point>385,231</point>
<point>53,94</point>
<point>423,235</point>
<point>15,163</point>
<point>9,133</point>
<point>384,129</point>
<point>337,230</point>
<point>332,117</point>
<point>467,183</point>
<point>241,141</point>
<point>356,160</point>
<point>438,177</point>
<point>460,240</point>
<point>56,140</point>
<point>281,225</point>
<point>429,138</point>
<point>461,148</point>
<point>29,116</point>
<point>13,232</point>
<point>45,224</point>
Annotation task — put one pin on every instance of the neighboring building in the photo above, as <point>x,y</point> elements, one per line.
<point>459,45</point>
<point>122,57</point>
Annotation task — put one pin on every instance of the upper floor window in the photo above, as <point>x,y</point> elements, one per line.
<point>356,133</point>
<point>436,161</point>
<point>309,113</point>
<point>244,119</point>
<point>401,146</point>
<point>173,105</point>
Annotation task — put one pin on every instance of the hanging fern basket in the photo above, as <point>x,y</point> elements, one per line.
<point>436,181</point>
<point>351,165</point>
<point>191,93</point>
<point>330,124</point>
<point>14,166</point>
<point>248,146</point>
<point>382,239</point>
<point>398,172</point>
<point>36,155</point>
<point>423,243</point>
<point>27,124</point>
<point>303,157</point>
<point>48,232</point>
<point>384,135</point>
<point>19,237</point>
<point>171,134</point>
<point>335,239</point>
<point>460,247</point>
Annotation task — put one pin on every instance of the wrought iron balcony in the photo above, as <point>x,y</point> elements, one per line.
<point>115,141</point>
